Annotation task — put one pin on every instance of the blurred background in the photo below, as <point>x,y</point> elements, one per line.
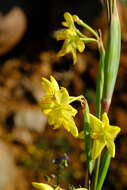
<point>29,149</point>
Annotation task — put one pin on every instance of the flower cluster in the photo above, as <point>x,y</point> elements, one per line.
<point>56,105</point>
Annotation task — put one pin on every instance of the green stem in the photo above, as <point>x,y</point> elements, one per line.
<point>85,38</point>
<point>99,94</point>
<point>100,78</point>
<point>88,40</point>
<point>90,29</point>
<point>103,170</point>
<point>88,143</point>
<point>96,173</point>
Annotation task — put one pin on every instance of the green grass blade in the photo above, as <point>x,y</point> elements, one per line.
<point>103,170</point>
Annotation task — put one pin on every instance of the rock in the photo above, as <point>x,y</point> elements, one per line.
<point>22,136</point>
<point>32,119</point>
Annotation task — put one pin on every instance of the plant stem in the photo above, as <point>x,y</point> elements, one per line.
<point>103,170</point>
<point>90,29</point>
<point>96,173</point>
<point>99,93</point>
<point>88,142</point>
<point>100,78</point>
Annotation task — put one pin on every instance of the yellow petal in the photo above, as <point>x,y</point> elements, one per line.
<point>49,87</point>
<point>68,111</point>
<point>55,118</point>
<point>69,19</point>
<point>98,146</point>
<point>70,126</point>
<point>95,124</point>
<point>62,96</point>
<point>46,85</point>
<point>65,24</point>
<point>80,45</point>
<point>46,104</point>
<point>76,19</point>
<point>74,56</point>
<point>65,95</point>
<point>54,83</point>
<point>111,147</point>
<point>65,48</point>
<point>105,119</point>
<point>42,186</point>
<point>112,132</point>
<point>60,35</point>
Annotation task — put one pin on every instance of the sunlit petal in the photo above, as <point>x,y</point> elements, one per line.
<point>46,85</point>
<point>105,119</point>
<point>42,186</point>
<point>69,19</point>
<point>54,83</point>
<point>111,147</point>
<point>98,146</point>
<point>95,123</point>
<point>70,126</point>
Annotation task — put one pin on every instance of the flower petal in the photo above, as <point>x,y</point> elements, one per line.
<point>65,48</point>
<point>73,51</point>
<point>54,83</point>
<point>46,104</point>
<point>70,126</point>
<point>98,146</point>
<point>105,119</point>
<point>42,186</point>
<point>69,19</point>
<point>80,45</point>
<point>62,96</point>
<point>69,111</point>
<point>113,131</point>
<point>111,147</point>
<point>61,34</point>
<point>46,85</point>
<point>95,123</point>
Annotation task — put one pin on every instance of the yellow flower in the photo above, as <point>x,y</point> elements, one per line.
<point>103,134</point>
<point>56,105</point>
<point>73,41</point>
<point>43,186</point>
